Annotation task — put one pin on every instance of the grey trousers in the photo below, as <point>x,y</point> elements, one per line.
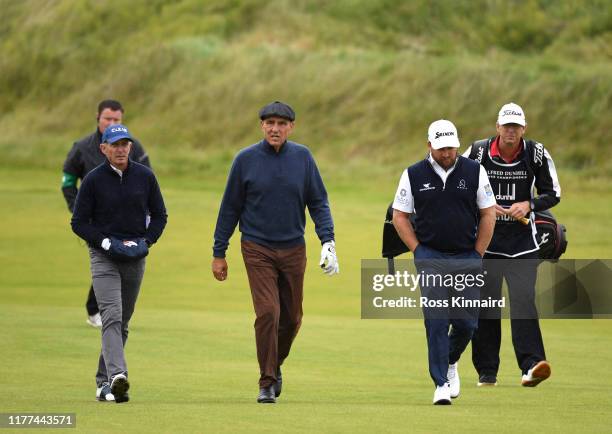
<point>116,285</point>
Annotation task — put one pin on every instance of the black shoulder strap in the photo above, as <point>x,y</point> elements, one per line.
<point>478,149</point>
<point>534,152</point>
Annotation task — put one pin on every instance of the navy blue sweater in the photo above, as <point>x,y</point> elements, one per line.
<point>267,192</point>
<point>113,205</point>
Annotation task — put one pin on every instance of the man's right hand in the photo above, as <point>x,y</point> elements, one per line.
<point>219,268</point>
<point>500,210</point>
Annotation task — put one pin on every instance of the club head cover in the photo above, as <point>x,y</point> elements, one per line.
<point>128,250</point>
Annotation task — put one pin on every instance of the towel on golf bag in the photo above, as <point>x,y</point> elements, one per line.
<point>128,250</point>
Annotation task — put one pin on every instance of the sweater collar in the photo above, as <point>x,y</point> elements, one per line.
<point>115,170</point>
<point>439,168</point>
<point>267,147</point>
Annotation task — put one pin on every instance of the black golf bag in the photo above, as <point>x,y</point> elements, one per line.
<point>551,237</point>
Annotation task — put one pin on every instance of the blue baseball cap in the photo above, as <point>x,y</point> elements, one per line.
<point>114,133</point>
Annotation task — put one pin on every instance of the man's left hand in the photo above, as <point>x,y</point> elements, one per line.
<point>519,209</point>
<point>329,260</point>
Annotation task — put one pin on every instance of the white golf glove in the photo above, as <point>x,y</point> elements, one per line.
<point>106,244</point>
<point>329,260</point>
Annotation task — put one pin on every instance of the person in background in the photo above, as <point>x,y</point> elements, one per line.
<point>84,156</point>
<point>517,168</point>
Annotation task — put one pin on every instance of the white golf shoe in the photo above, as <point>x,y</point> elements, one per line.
<point>95,320</point>
<point>442,395</point>
<point>538,373</point>
<point>104,394</point>
<point>453,379</point>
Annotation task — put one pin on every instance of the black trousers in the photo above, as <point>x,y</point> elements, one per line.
<point>520,275</point>
<point>92,304</point>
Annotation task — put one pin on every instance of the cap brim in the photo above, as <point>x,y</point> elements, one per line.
<point>116,139</point>
<point>512,120</point>
<point>439,144</point>
<point>276,115</point>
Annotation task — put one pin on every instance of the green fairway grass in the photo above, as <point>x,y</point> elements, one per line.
<point>191,351</point>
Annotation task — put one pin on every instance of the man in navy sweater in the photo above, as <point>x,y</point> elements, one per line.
<point>269,186</point>
<point>111,213</point>
<point>455,217</point>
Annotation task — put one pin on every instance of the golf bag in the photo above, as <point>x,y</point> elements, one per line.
<point>392,244</point>
<point>551,237</point>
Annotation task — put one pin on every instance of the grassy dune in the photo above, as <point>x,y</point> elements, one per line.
<point>365,77</point>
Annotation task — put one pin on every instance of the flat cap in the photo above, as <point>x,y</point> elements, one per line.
<point>278,109</point>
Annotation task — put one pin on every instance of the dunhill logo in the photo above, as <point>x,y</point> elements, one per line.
<point>509,194</point>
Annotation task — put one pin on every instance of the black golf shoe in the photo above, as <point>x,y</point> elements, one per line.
<point>487,380</point>
<point>278,386</point>
<point>119,387</point>
<point>266,395</point>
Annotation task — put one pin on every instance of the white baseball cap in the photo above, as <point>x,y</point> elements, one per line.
<point>443,134</point>
<point>511,113</point>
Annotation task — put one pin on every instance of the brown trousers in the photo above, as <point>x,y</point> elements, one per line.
<point>276,278</point>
